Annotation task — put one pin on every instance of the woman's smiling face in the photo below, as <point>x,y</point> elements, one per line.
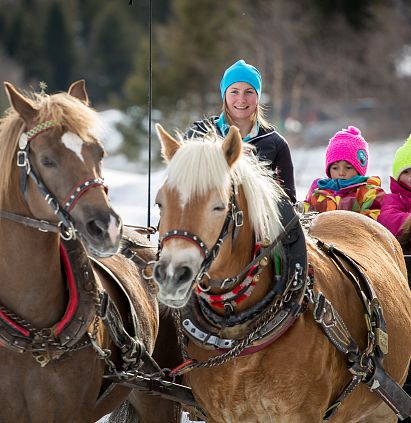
<point>241,100</point>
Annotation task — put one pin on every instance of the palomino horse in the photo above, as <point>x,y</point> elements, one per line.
<point>236,262</point>
<point>54,347</point>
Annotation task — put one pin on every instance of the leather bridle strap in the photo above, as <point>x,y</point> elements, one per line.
<point>65,226</point>
<point>73,196</point>
<point>233,214</point>
<point>41,225</point>
<point>264,252</point>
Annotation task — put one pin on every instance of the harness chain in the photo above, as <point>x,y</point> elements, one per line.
<point>233,352</point>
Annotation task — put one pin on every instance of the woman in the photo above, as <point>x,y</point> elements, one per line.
<point>240,89</point>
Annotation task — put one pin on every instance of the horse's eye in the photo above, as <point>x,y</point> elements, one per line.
<point>219,208</point>
<point>47,162</point>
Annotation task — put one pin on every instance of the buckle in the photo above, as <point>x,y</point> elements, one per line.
<point>21,158</point>
<point>239,218</point>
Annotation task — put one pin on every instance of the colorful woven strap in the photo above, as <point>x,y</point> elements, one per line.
<point>41,127</point>
<point>239,293</point>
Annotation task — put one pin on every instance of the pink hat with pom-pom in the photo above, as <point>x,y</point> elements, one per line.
<point>348,145</point>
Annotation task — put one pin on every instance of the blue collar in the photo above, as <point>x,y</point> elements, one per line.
<point>223,126</point>
<point>337,184</point>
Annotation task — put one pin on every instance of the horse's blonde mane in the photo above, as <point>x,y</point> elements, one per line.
<point>199,166</point>
<point>61,107</point>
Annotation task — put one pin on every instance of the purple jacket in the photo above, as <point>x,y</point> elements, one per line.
<point>396,208</point>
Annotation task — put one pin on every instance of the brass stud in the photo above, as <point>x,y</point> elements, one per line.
<point>265,242</point>
<point>264,261</point>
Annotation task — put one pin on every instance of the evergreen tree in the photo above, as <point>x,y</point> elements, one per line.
<point>189,54</point>
<point>30,52</point>
<point>59,48</point>
<point>112,49</point>
<point>12,35</point>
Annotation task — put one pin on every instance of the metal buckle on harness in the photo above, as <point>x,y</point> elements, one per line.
<point>21,158</point>
<point>239,218</point>
<point>323,306</point>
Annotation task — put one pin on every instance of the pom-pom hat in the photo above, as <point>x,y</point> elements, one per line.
<point>241,71</point>
<point>348,145</point>
<point>402,159</point>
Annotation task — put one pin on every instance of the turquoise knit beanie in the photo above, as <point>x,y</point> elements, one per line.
<point>241,72</point>
<point>402,159</point>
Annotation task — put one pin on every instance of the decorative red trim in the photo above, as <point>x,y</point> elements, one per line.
<point>73,300</point>
<point>186,238</point>
<point>182,368</point>
<point>72,305</point>
<point>83,190</point>
<point>25,332</point>
<point>253,349</point>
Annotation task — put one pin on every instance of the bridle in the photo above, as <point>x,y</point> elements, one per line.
<point>234,215</point>
<point>65,226</point>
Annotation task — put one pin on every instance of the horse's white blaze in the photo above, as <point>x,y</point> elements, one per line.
<point>113,229</point>
<point>74,143</point>
<point>177,257</point>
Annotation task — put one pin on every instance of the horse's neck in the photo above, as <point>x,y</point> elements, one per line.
<point>31,277</point>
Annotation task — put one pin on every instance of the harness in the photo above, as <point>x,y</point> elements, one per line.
<point>291,293</point>
<point>86,306</point>
<point>66,335</point>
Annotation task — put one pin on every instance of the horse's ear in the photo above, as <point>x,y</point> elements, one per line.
<point>232,145</point>
<point>78,89</point>
<point>169,145</point>
<point>20,104</point>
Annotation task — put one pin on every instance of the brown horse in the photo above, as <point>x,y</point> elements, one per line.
<point>236,262</point>
<point>54,347</point>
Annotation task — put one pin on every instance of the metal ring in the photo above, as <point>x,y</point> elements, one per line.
<point>143,272</point>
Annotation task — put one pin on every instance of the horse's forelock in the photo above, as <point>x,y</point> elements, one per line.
<point>68,110</point>
<point>198,167</point>
<point>61,108</point>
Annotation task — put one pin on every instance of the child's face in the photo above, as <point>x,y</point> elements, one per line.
<point>405,177</point>
<point>342,170</point>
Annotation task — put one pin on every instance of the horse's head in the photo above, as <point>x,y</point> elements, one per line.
<point>48,148</point>
<point>211,189</point>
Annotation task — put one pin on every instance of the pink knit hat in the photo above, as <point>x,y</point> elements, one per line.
<point>348,145</point>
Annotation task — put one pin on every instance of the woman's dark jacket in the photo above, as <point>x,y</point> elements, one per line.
<point>270,146</point>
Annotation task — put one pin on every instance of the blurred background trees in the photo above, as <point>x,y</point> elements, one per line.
<point>324,64</point>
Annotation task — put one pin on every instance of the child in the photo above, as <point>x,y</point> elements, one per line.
<point>347,187</point>
<point>396,207</point>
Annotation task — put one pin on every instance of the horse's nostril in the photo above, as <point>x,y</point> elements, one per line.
<point>159,272</point>
<point>184,274</point>
<point>96,228</point>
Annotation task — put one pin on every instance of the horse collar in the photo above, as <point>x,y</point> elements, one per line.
<point>50,343</point>
<point>268,319</point>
